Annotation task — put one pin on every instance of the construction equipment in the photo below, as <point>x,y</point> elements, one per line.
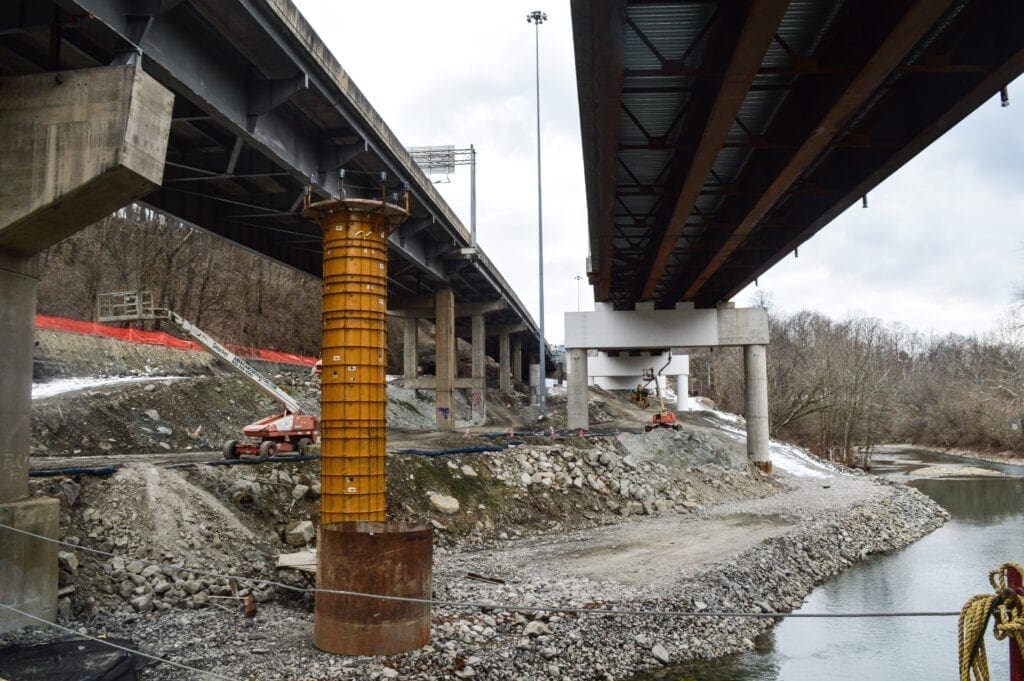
<point>663,418</point>
<point>290,432</point>
<point>641,396</point>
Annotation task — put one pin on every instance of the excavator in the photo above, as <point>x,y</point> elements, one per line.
<point>290,432</point>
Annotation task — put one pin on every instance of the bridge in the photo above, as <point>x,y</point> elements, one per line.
<point>223,114</point>
<point>719,136</point>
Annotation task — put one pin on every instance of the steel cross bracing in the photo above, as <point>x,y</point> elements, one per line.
<point>262,109</point>
<point>719,136</point>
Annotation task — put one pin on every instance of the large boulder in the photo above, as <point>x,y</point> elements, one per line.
<point>300,534</point>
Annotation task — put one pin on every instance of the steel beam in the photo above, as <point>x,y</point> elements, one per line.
<point>755,36</point>
<point>914,25</point>
<point>984,90</point>
<point>598,32</point>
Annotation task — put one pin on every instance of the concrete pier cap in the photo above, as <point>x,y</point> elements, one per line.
<point>618,335</point>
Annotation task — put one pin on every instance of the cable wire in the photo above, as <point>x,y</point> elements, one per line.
<point>482,605</point>
<point>111,644</point>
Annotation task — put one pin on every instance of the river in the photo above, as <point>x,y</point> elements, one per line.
<point>939,572</point>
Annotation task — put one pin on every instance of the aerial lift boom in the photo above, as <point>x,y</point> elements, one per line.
<point>291,431</point>
<point>240,366</point>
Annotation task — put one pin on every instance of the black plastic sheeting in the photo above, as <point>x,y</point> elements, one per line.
<point>53,472</point>
<point>71,660</point>
<point>453,450</point>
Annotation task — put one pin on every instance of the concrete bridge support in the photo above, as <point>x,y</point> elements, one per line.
<point>444,350</point>
<point>76,146</point>
<point>445,310</point>
<point>576,391</point>
<point>504,364</point>
<point>410,349</point>
<point>682,393</point>
<point>517,360</point>
<point>478,394</point>
<point>645,329</point>
<point>755,376</point>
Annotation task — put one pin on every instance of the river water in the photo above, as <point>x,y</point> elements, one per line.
<point>939,572</point>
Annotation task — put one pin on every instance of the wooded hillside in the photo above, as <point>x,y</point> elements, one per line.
<point>233,294</point>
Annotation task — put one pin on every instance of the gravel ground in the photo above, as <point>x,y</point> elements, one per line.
<point>771,552</point>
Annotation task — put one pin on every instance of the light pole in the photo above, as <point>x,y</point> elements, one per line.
<point>578,278</point>
<point>536,17</point>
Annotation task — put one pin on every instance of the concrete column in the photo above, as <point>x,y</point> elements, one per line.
<point>28,567</point>
<point>76,146</point>
<point>504,365</point>
<point>534,384</point>
<point>444,344</point>
<point>517,360</point>
<point>478,397</point>
<point>579,414</point>
<point>755,373</point>
<point>410,348</point>
<point>18,283</point>
<point>683,393</point>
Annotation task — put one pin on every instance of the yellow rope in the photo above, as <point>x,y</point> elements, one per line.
<point>1006,607</point>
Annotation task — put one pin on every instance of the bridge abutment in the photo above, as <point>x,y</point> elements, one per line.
<point>76,145</point>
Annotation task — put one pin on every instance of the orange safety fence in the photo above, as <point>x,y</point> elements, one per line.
<point>160,338</point>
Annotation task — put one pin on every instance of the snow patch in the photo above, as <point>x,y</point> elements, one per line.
<point>41,391</point>
<point>785,457</point>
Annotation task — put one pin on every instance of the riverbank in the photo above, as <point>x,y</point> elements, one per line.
<point>750,555</point>
<point>1007,456</point>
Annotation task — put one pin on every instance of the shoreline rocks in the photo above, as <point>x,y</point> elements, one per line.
<point>772,576</point>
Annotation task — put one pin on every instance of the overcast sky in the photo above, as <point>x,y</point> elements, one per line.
<point>939,248</point>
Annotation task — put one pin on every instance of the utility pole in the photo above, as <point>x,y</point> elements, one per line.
<point>536,17</point>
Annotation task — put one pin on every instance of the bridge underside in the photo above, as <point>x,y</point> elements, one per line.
<point>261,111</point>
<point>720,136</point>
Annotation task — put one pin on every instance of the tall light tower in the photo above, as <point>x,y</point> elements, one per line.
<point>536,17</point>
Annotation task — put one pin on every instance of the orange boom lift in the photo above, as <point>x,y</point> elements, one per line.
<point>291,432</point>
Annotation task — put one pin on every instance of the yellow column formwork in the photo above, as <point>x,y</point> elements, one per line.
<point>353,420</point>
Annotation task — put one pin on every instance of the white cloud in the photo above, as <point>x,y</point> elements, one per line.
<point>939,247</point>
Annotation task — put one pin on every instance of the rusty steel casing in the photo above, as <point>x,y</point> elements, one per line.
<point>353,417</point>
<point>393,559</point>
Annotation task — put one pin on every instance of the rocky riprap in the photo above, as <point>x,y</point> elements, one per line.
<point>830,533</point>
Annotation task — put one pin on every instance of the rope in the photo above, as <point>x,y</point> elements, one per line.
<point>508,607</point>
<point>111,644</point>
<point>1006,606</point>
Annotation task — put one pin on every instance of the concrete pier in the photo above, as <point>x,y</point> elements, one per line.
<point>478,396</point>
<point>576,391</point>
<point>534,384</point>
<point>504,365</point>
<point>755,376</point>
<point>410,349</point>
<point>444,350</point>
<point>517,360</point>
<point>682,393</point>
<point>76,146</point>
<point>18,283</point>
